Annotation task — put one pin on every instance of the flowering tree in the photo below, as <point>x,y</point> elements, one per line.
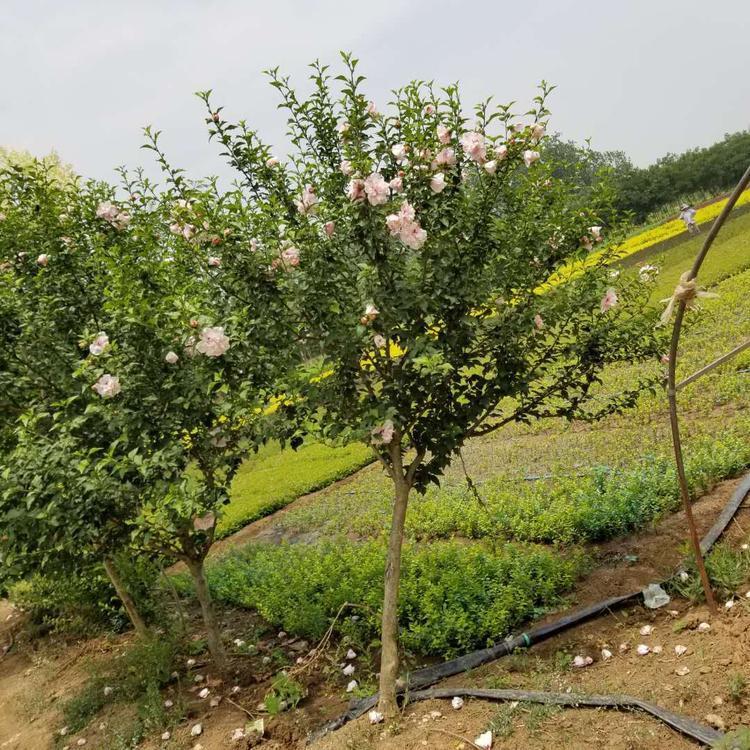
<point>417,247</point>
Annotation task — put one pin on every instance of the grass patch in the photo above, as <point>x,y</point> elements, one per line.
<point>272,478</point>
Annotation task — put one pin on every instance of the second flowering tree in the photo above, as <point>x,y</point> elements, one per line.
<point>426,257</point>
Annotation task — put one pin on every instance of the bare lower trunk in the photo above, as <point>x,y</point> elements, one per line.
<point>209,615</point>
<point>127,600</point>
<point>389,661</point>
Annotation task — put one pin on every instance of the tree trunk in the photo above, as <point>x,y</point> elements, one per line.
<point>209,615</point>
<point>127,600</point>
<point>389,661</point>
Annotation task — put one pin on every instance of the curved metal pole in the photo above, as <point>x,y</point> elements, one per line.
<point>672,391</point>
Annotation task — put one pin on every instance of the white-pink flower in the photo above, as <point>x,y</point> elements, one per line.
<point>372,110</point>
<point>446,157</point>
<point>596,233</point>
<point>399,151</point>
<point>253,245</point>
<point>501,152</point>
<point>609,300</point>
<point>329,227</point>
<point>474,146</point>
<point>188,231</point>
<point>214,261</point>
<point>406,227</point>
<point>355,190</point>
<point>346,167</point>
<point>42,260</point>
<point>291,256</point>
<point>429,109</point>
<point>397,184</point>
<point>307,202</point>
<point>99,344</point>
<point>412,235</point>
<point>383,434</point>
<point>393,222</point>
<point>437,183</point>
<point>377,189</point>
<point>343,128</point>
<point>443,134</point>
<point>108,386</point>
<point>538,322</point>
<point>537,131</point>
<point>271,162</point>
<point>107,210</point>
<point>371,312</point>
<point>171,358</point>
<point>213,342</point>
<point>490,167</point>
<point>529,157</point>
<point>379,341</point>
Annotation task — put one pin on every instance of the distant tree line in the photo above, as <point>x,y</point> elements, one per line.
<point>674,177</point>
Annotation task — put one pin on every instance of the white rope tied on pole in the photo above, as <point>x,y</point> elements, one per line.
<point>686,291</point>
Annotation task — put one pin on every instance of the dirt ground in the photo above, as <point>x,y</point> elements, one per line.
<point>34,677</point>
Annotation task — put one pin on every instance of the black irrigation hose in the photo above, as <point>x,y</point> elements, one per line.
<point>423,678</point>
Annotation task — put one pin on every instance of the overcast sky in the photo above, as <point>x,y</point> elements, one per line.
<point>83,76</point>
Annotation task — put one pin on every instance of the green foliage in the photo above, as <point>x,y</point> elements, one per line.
<point>285,694</point>
<point>736,686</point>
<point>453,597</point>
<point>738,739</point>
<point>727,569</point>
<point>272,478</point>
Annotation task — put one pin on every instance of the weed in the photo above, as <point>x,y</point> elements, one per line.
<point>285,693</point>
<point>736,686</point>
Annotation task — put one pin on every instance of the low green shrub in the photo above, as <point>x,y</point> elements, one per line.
<point>454,597</point>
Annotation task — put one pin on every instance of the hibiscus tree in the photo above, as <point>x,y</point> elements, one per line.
<point>417,247</point>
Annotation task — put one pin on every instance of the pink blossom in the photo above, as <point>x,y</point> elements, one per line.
<point>213,342</point>
<point>429,109</point>
<point>399,152</point>
<point>307,203</point>
<point>393,222</point>
<point>529,157</point>
<point>188,231</point>
<point>291,256</point>
<point>108,386</point>
<point>490,167</point>
<point>355,190</point>
<point>443,134</point>
<point>406,212</point>
<point>474,146</point>
<point>446,157</point>
<point>379,341</point>
<point>213,261</point>
<point>175,228</point>
<point>42,260</point>
<point>596,233</point>
<point>538,322</point>
<point>107,211</point>
<point>99,344</point>
<point>171,358</point>
<point>346,167</point>
<point>664,359</point>
<point>586,243</point>
<point>371,312</point>
<point>383,434</point>
<point>609,300</point>
<point>271,162</point>
<point>501,152</point>
<point>437,183</point>
<point>377,189</point>
<point>343,128</point>
<point>372,110</point>
<point>537,131</point>
<point>397,184</point>
<point>329,227</point>
<point>412,235</point>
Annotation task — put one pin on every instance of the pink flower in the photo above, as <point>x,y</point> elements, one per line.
<point>213,261</point>
<point>213,342</point>
<point>412,235</point>
<point>586,243</point>
<point>379,341</point>
<point>437,183</point>
<point>446,157</point>
<point>329,227</point>
<point>537,131</point>
<point>529,157</point>
<point>596,233</point>
<point>406,212</point>
<point>99,344</point>
<point>175,228</point>
<point>107,211</point>
<point>346,167</point>
<point>343,128</point>
<point>501,152</point>
<point>399,152</point>
<point>609,300</point>
<point>383,434</point>
<point>188,231</point>
<point>474,146</point>
<point>538,322</point>
<point>108,386</point>
<point>397,184</point>
<point>291,256</point>
<point>372,110</point>
<point>371,312</point>
<point>393,222</point>
<point>664,359</point>
<point>42,260</point>
<point>443,134</point>
<point>271,162</point>
<point>306,204</point>
<point>490,167</point>
<point>171,358</point>
<point>355,190</point>
<point>377,189</point>
<point>429,109</point>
